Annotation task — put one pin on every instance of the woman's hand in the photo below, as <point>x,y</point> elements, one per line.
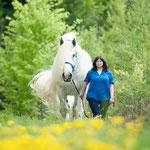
<point>111,101</point>
<point>81,96</point>
<point>83,89</point>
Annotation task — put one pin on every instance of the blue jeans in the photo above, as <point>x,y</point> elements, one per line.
<point>99,107</point>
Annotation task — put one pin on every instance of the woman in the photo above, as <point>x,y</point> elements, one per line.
<point>101,91</point>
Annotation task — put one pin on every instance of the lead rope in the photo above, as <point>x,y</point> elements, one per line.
<point>80,98</point>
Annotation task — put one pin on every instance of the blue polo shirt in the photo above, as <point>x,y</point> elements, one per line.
<point>99,88</point>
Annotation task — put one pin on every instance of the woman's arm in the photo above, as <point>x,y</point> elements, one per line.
<point>111,94</point>
<point>83,89</point>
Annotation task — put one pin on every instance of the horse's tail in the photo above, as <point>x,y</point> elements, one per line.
<point>42,84</point>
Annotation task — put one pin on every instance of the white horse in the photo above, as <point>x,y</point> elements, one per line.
<point>71,63</point>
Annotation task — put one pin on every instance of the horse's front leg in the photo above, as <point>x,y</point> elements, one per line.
<point>78,108</point>
<point>64,106</point>
<point>65,109</point>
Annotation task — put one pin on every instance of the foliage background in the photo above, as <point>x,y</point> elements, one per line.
<point>116,29</point>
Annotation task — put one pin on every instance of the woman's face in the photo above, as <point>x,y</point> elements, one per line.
<point>99,63</point>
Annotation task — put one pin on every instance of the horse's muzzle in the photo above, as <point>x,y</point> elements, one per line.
<point>67,78</point>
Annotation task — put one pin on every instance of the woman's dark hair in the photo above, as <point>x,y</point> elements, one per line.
<point>105,66</point>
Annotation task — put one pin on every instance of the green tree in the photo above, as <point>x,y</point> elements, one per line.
<point>30,43</point>
<point>6,9</point>
<point>92,13</point>
<point>89,41</point>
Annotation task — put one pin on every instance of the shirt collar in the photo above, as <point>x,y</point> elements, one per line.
<point>102,70</point>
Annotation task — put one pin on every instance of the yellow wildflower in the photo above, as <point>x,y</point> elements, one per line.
<point>97,123</point>
<point>66,125</point>
<point>43,143</point>
<point>133,128</point>
<point>45,131</point>
<point>79,123</point>
<point>109,117</point>
<point>129,125</point>
<point>10,122</point>
<point>138,125</point>
<point>20,129</point>
<point>117,120</point>
<point>99,145</point>
<point>57,128</point>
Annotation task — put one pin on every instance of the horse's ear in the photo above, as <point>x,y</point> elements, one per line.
<point>61,41</point>
<point>74,42</point>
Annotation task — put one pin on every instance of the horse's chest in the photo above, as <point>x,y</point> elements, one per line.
<point>69,89</point>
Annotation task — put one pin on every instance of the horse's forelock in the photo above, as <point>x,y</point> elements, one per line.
<point>68,37</point>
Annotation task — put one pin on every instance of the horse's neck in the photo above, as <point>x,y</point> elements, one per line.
<point>57,68</point>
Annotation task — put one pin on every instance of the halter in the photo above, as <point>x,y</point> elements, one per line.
<point>73,66</point>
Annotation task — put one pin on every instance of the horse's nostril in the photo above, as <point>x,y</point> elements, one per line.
<point>70,75</point>
<point>63,76</point>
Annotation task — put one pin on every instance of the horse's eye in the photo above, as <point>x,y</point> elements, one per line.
<point>73,55</point>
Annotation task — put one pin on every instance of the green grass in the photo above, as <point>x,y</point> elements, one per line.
<point>27,121</point>
<point>143,139</point>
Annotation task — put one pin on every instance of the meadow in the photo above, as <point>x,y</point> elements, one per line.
<point>21,133</point>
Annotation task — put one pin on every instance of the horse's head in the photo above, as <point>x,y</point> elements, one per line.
<point>70,57</point>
